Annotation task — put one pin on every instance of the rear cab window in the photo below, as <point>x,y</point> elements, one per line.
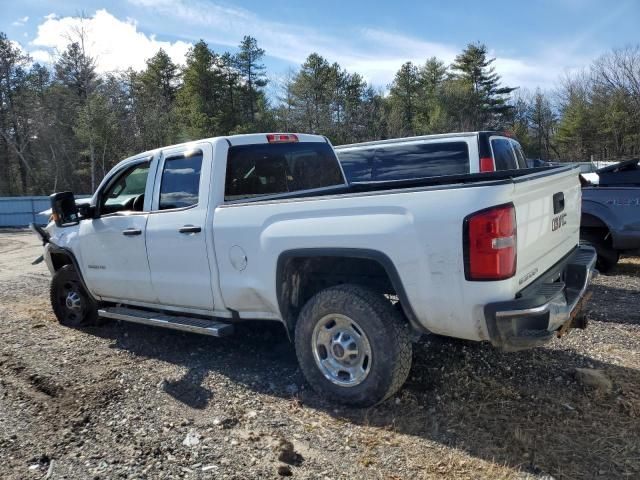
<point>403,161</point>
<point>522,159</point>
<point>271,169</point>
<point>507,154</point>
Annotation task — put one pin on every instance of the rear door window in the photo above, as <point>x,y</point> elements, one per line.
<point>180,183</point>
<point>522,159</point>
<point>405,161</point>
<point>271,169</point>
<point>503,154</point>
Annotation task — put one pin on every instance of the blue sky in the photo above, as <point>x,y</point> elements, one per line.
<point>535,42</point>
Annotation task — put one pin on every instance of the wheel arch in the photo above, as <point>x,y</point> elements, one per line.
<point>596,214</point>
<point>60,257</point>
<point>589,220</point>
<point>293,264</point>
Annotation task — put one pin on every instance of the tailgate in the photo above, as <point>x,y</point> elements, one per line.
<point>548,218</point>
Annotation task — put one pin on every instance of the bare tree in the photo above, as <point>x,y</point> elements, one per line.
<point>79,35</point>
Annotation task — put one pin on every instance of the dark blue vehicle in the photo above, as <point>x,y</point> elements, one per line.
<point>611,213</point>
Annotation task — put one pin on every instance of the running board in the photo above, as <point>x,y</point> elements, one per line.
<point>157,319</point>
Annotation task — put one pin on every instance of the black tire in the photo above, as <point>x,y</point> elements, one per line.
<point>607,256</point>
<point>385,329</point>
<point>82,312</point>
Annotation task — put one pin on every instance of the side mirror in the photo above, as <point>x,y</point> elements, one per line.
<point>86,210</point>
<point>64,209</point>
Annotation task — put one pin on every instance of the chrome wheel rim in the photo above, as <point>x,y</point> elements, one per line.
<point>341,350</point>
<point>72,302</point>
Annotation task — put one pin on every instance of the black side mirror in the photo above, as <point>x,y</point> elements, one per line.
<point>64,209</point>
<point>86,210</point>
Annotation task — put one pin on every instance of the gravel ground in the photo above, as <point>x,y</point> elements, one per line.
<point>128,401</point>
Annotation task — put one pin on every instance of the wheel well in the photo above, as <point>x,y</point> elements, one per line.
<point>592,226</point>
<point>591,221</point>
<point>59,260</point>
<point>300,277</point>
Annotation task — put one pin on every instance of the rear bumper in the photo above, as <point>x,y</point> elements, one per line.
<point>549,306</point>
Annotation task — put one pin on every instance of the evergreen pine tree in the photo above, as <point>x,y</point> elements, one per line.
<point>488,99</point>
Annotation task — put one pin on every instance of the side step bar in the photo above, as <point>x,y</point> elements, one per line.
<point>157,319</point>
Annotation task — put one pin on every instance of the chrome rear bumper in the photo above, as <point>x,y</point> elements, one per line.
<point>549,306</point>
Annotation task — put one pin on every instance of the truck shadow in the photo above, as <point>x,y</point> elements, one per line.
<point>615,305</point>
<point>525,410</point>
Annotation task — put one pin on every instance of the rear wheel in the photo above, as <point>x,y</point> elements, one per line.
<point>70,302</point>
<point>607,256</point>
<point>353,346</point>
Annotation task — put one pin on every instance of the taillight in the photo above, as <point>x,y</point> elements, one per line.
<point>281,137</point>
<point>490,244</point>
<point>487,165</point>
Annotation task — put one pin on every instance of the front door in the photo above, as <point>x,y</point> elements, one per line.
<point>176,233</point>
<point>112,246</point>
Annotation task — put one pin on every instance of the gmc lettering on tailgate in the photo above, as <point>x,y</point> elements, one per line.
<point>558,222</point>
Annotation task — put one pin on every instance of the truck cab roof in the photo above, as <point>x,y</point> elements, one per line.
<point>242,139</point>
<point>437,136</point>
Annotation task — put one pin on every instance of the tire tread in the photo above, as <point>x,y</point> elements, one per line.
<point>393,318</point>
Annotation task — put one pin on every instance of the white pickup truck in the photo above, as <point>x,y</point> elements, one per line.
<point>431,155</point>
<point>203,235</point>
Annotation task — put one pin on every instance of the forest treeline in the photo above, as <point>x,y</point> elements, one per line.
<point>63,126</point>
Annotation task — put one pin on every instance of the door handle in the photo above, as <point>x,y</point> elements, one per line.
<point>558,202</point>
<point>129,232</point>
<point>190,229</point>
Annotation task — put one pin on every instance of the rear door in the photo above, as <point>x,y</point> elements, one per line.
<point>175,234</point>
<point>548,218</point>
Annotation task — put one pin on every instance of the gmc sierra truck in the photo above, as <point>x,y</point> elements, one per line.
<point>204,235</point>
<point>430,156</point>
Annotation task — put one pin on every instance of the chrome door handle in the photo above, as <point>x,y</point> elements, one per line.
<point>129,232</point>
<point>190,229</point>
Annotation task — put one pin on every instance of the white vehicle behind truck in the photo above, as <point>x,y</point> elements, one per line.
<point>203,235</point>
<point>431,155</point>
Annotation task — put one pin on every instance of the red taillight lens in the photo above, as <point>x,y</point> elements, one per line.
<point>491,244</point>
<point>281,137</point>
<point>486,164</point>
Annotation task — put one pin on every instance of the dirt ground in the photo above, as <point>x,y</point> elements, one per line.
<point>128,401</point>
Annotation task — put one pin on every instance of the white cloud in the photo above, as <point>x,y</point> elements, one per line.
<point>17,46</point>
<point>374,53</point>
<point>42,56</point>
<point>20,22</point>
<point>116,44</point>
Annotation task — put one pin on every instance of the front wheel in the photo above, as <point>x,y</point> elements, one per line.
<point>353,346</point>
<point>71,303</point>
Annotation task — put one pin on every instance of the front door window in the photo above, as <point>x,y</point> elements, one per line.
<point>126,192</point>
